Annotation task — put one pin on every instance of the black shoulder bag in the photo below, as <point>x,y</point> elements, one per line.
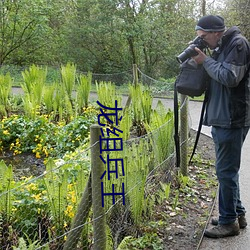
<point>191,81</point>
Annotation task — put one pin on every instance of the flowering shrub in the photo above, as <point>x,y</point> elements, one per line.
<point>43,137</point>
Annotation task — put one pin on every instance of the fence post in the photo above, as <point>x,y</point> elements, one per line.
<point>97,169</point>
<point>80,218</point>
<point>184,135</point>
<point>135,74</point>
<point>135,82</point>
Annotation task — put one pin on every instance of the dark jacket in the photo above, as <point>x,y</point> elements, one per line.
<point>228,103</point>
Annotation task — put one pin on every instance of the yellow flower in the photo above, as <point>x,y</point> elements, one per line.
<point>69,211</point>
<point>45,151</point>
<point>73,199</point>
<point>37,196</point>
<point>38,155</point>
<point>31,187</point>
<point>14,209</point>
<point>6,132</point>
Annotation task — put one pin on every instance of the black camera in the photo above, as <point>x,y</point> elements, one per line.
<point>190,51</point>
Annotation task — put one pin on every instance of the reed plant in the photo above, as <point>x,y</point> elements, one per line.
<point>48,97</point>
<point>107,95</point>
<point>56,184</point>
<point>68,74</point>
<point>136,158</point>
<point>83,91</point>
<point>6,184</point>
<point>62,106</point>
<point>34,80</point>
<point>137,169</point>
<point>161,128</point>
<point>5,90</point>
<point>64,183</point>
<point>141,105</point>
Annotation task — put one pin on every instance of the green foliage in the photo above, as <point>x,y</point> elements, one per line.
<point>5,90</point>
<point>30,206</point>
<point>164,191</point>
<point>147,241</point>
<point>48,98</point>
<point>57,188</point>
<point>184,181</point>
<point>43,137</point>
<point>6,184</point>
<point>142,109</point>
<point>23,25</point>
<point>34,81</point>
<point>29,245</point>
<point>68,74</point>
<point>83,91</point>
<point>161,125</point>
<point>107,94</point>
<point>103,36</point>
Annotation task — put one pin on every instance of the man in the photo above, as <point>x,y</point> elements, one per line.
<point>228,112</point>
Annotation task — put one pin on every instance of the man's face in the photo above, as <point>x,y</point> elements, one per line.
<point>211,38</point>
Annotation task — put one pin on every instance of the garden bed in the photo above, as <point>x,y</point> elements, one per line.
<point>186,224</point>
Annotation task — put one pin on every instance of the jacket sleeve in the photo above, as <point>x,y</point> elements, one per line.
<point>234,66</point>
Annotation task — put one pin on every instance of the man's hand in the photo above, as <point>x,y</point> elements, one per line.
<point>200,58</point>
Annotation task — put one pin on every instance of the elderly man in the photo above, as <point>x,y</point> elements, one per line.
<point>228,112</point>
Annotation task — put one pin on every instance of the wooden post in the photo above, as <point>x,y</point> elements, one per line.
<point>135,74</point>
<point>184,135</point>
<point>80,218</point>
<point>97,169</point>
<point>135,82</point>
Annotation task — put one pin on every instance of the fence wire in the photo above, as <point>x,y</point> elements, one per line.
<point>54,209</point>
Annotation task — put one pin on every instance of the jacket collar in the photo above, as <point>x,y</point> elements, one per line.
<point>231,32</point>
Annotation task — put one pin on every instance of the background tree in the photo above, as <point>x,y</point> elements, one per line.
<point>21,25</point>
<point>105,36</point>
<point>237,13</point>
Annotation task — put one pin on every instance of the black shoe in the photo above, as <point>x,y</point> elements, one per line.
<point>221,231</point>
<point>241,219</point>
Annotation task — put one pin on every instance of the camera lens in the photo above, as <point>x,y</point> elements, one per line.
<point>187,53</point>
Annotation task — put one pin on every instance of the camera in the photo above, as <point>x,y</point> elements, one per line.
<point>190,51</point>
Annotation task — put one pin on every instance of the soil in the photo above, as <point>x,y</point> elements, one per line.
<point>25,164</point>
<point>188,221</point>
<point>179,220</point>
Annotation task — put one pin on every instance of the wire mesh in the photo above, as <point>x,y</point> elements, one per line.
<point>54,210</point>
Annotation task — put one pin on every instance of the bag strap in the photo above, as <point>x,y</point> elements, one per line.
<point>199,127</point>
<point>176,126</point>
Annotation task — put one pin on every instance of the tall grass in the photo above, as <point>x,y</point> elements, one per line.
<point>141,103</point>
<point>83,91</point>
<point>33,86</point>
<point>161,128</point>
<point>6,197</point>
<point>68,74</point>
<point>5,90</point>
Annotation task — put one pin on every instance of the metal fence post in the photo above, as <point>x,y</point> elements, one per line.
<point>97,169</point>
<point>184,135</point>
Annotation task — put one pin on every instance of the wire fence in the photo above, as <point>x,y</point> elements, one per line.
<point>158,87</point>
<point>75,205</point>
